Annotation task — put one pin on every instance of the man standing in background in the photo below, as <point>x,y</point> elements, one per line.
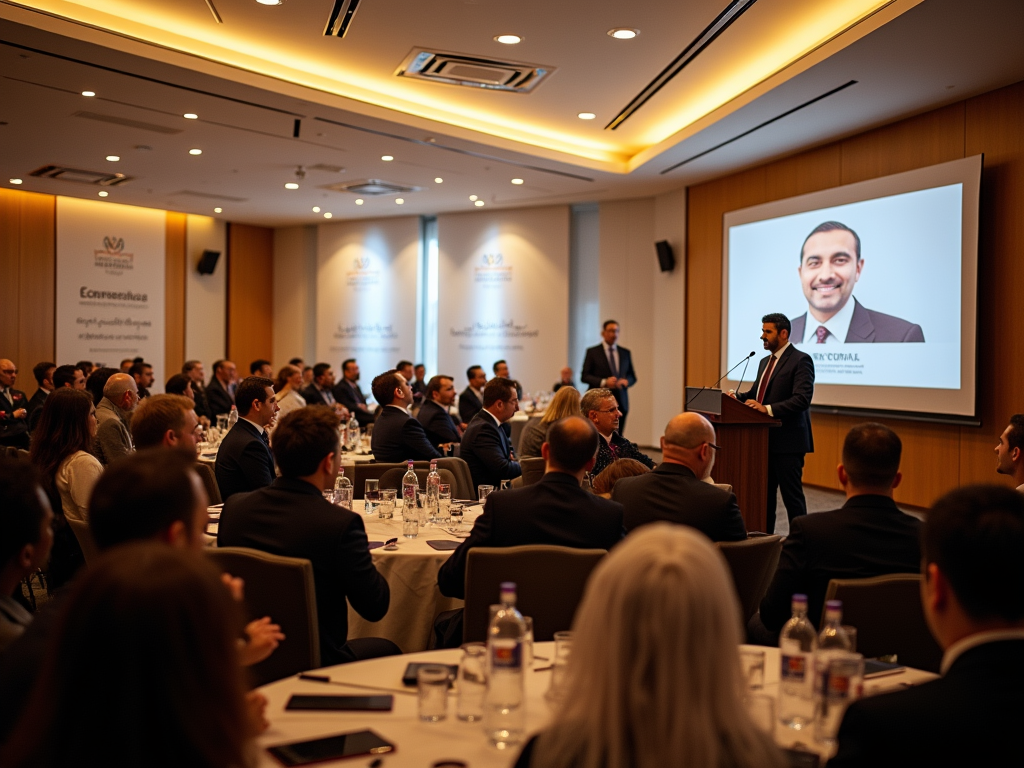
<point>218,392</point>
<point>609,366</point>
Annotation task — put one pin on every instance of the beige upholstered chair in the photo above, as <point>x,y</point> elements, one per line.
<point>205,472</point>
<point>393,478</point>
<point>752,563</point>
<point>533,470</point>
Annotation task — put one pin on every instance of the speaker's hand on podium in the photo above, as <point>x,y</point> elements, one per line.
<point>757,406</point>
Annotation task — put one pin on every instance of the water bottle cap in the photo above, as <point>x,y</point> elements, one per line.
<point>798,598</point>
<point>834,605</point>
<point>508,586</point>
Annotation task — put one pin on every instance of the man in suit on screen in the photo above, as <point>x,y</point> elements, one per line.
<point>609,366</point>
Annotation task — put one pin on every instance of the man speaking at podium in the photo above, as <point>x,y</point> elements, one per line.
<point>783,390</point>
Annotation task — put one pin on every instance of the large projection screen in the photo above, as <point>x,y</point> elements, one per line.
<point>896,320</point>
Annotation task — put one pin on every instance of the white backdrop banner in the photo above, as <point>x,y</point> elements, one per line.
<point>367,273</point>
<point>110,282</point>
<point>504,293</point>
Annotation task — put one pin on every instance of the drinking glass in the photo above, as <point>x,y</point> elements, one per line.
<point>483,491</point>
<point>559,665</point>
<point>388,498</point>
<point>752,665</point>
<point>222,423</point>
<point>353,439</point>
<point>851,632</point>
<point>528,643</point>
<point>444,503</point>
<point>432,686</point>
<point>472,682</point>
<point>505,485</point>
<point>422,510</point>
<point>371,496</point>
<point>842,679</point>
<point>456,514</point>
<point>329,495</point>
<point>343,496</point>
<point>410,521</point>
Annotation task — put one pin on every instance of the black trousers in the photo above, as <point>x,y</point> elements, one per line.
<point>785,472</point>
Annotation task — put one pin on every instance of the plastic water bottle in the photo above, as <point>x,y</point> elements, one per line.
<point>233,416</point>
<point>797,642</point>
<point>410,486</point>
<point>433,492</point>
<point>504,704</point>
<point>352,434</point>
<point>343,490</point>
<point>833,636</point>
<point>831,696</point>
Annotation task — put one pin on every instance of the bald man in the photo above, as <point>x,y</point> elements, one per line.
<point>676,490</point>
<point>13,408</point>
<point>113,414</point>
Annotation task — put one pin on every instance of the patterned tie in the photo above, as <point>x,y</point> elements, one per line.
<point>265,438</point>
<point>764,379</point>
<point>611,362</point>
<point>821,333</point>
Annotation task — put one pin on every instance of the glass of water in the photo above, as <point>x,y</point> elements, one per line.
<point>559,665</point>
<point>444,503</point>
<point>388,497</point>
<point>842,678</point>
<point>483,491</point>
<point>371,496</point>
<point>432,687</point>
<point>410,521</point>
<point>505,485</point>
<point>343,496</point>
<point>472,682</point>
<point>329,495</point>
<point>455,513</point>
<point>752,665</point>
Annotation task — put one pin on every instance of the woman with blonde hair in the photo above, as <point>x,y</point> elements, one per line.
<point>287,386</point>
<point>566,402</point>
<point>654,676</point>
<point>618,469</point>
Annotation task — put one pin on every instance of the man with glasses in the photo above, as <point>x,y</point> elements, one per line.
<point>678,491</point>
<point>13,408</point>
<point>113,414</point>
<point>600,406</point>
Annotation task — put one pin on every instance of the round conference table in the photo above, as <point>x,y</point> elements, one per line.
<point>420,744</point>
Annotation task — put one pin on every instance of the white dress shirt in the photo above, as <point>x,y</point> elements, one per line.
<point>777,355</point>
<point>837,326</point>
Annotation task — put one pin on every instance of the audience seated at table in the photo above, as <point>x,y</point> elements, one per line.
<point>397,436</point>
<point>485,447</point>
<point>167,420</point>
<point>113,417</point>
<point>868,536</point>
<point>292,518</point>
<point>654,675</point>
<point>471,399</point>
<point>600,406</point>
<point>566,402</point>
<point>604,483</point>
<point>193,370</point>
<point>244,460</point>
<point>347,393</point>
<point>438,395</point>
<point>221,391</point>
<point>96,381</point>
<point>973,598</point>
<point>286,388</point>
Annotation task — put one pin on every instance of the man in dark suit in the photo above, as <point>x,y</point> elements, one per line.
<point>347,393</point>
<point>43,374</point>
<point>555,510</point>
<point>609,366</point>
<point>564,379</point>
<point>13,408</point>
<point>600,407</point>
<point>830,266</point>
<point>783,390</point>
<point>500,370</point>
<point>397,436</point>
<point>292,518</point>
<point>321,391</point>
<point>218,391</point>
<point>419,384</point>
<point>472,398</point>
<point>244,461</point>
<point>973,599</point>
<point>675,491</point>
<point>193,369</point>
<point>869,536</point>
<point>1010,451</point>
<point>59,377</point>
<point>440,427</point>
<point>485,447</point>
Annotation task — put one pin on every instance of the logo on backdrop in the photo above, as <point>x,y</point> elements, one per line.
<point>112,256</point>
<point>502,329</point>
<point>362,274</point>
<point>492,272</point>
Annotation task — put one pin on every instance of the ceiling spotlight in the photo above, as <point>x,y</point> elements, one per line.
<point>517,181</point>
<point>386,158</point>
<point>586,115</point>
<point>316,209</point>
<point>113,158</point>
<point>15,181</point>
<point>270,2</point>
<point>399,201</point>
<point>438,180</point>
<point>508,39</point>
<point>103,193</point>
<point>328,215</point>
<point>218,210</point>
<point>195,151</point>
<point>190,116</point>
<point>623,33</point>
<point>291,185</point>
<point>479,203</point>
<point>88,93</point>
<point>359,201</point>
<point>472,197</point>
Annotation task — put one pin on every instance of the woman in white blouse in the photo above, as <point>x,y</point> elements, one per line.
<point>60,449</point>
<point>289,381</point>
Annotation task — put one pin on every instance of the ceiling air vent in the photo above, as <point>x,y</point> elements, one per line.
<point>341,17</point>
<point>372,188</point>
<point>472,71</point>
<point>114,119</point>
<point>78,176</point>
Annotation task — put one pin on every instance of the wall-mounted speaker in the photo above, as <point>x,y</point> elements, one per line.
<point>666,259</point>
<point>208,262</point>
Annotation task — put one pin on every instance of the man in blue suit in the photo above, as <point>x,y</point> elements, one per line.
<point>397,436</point>
<point>485,446</point>
<point>610,366</point>
<point>244,461</point>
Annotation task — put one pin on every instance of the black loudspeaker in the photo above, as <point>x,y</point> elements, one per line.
<point>666,259</point>
<point>208,262</point>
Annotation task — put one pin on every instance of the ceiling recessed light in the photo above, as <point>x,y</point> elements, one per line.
<point>270,2</point>
<point>479,203</point>
<point>103,193</point>
<point>113,158</point>
<point>438,180</point>
<point>359,201</point>
<point>88,93</point>
<point>586,115</point>
<point>472,197</point>
<point>291,185</point>
<point>623,33</point>
<point>328,215</point>
<point>508,39</point>
<point>399,201</point>
<point>190,116</point>
<point>517,181</point>
<point>15,181</point>
<point>316,209</point>
<point>218,210</point>
<point>386,158</point>
<point>195,151</point>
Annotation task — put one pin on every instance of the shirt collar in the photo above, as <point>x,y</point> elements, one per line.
<point>957,649</point>
<point>397,408</point>
<point>838,325</point>
<point>495,418</point>
<point>608,347</point>
<point>778,353</point>
<point>255,425</point>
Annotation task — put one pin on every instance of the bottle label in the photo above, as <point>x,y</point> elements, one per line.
<point>794,668</point>
<point>506,654</point>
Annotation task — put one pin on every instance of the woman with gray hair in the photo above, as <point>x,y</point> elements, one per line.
<point>654,677</point>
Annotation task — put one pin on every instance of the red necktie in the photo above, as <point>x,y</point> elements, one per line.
<point>764,379</point>
<point>821,333</point>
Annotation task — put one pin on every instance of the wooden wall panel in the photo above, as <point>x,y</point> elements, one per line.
<point>37,287</point>
<point>810,172</point>
<point>10,268</point>
<point>250,294</point>
<point>175,264</point>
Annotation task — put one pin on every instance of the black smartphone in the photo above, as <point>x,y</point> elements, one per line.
<point>409,676</point>
<point>798,758</point>
<point>355,744</point>
<point>382,703</point>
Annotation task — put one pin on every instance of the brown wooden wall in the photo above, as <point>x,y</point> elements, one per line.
<point>936,457</point>
<point>250,294</point>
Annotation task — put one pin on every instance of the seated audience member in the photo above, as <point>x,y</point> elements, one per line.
<point>68,376</point>
<point>292,518</point>
<point>674,491</point>
<point>60,450</point>
<point>485,447</point>
<point>127,363</point>
<point>604,483</point>
<point>193,369</point>
<point>167,420</point>
<point>566,402</point>
<point>85,366</point>
<point>973,598</point>
<point>1010,451</point>
<point>554,510</point>
<point>407,370</point>
<point>397,436</point>
<point>143,375</point>
<point>321,391</point>
<point>287,386</point>
<point>180,384</point>
<point>419,384</point>
<point>144,670</point>
<point>654,678</point>
<point>868,536</point>
<point>500,371</point>
<point>307,375</point>
<point>599,405</point>
<point>113,416</point>
<point>97,381</point>
<point>26,535</point>
<point>262,368</point>
<point>13,408</point>
<point>471,399</point>
<point>244,460</point>
<point>441,429</point>
<point>565,380</point>
<point>347,393</point>
<point>220,391</point>
<point>43,374</point>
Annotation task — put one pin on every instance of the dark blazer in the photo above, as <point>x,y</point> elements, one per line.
<point>969,717</point>
<point>624,449</point>
<point>596,368</point>
<point>352,397</point>
<point>486,449</point>
<point>437,423</point>
<point>14,431</point>
<point>866,325</point>
<point>203,403</point>
<point>469,405</point>
<point>35,408</point>
<point>314,396</point>
<point>554,510</point>
<point>292,518</point>
<point>868,536</point>
<point>673,493</point>
<point>397,437</point>
<point>218,398</point>
<point>789,394</point>
<point>244,461</point>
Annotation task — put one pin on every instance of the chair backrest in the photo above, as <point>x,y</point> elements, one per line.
<point>533,470</point>
<point>393,478</point>
<point>206,474</point>
<point>85,540</point>
<point>752,562</point>
<point>887,612</point>
<point>549,585</point>
<point>283,589</point>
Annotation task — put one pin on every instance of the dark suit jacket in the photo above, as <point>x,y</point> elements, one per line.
<point>35,408</point>
<point>868,536</point>
<point>397,437</point>
<point>314,396</point>
<point>866,325</point>
<point>553,511</point>
<point>624,449</point>
<point>292,518</point>
<point>486,448</point>
<point>437,423</point>
<point>673,493</point>
<point>218,398</point>
<point>203,403</point>
<point>14,431</point>
<point>596,368</point>
<point>789,394</point>
<point>352,397</point>
<point>469,405</point>
<point>244,462</point>
<point>969,717</point>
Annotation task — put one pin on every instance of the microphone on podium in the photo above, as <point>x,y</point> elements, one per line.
<point>745,359</point>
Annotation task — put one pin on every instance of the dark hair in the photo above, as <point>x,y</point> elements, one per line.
<point>498,388</point>
<point>320,369</point>
<point>608,322</point>
<point>63,429</point>
<point>219,364</point>
<point>419,365</point>
<point>22,518</point>
<point>190,364</point>
<point>469,371</point>
<point>830,226</point>
<point>871,455</point>
<point>344,363</point>
<point>144,657</point>
<point>779,320</point>
<point>284,374</point>
<point>128,360</point>
<point>157,414</point>
<point>249,390</point>
<point>97,381</point>
<point>572,441</point>
<point>138,369</point>
<point>434,385</point>
<point>85,366</point>
<point>39,370</point>
<point>618,469</point>
<point>975,535</point>
<point>177,384</point>
<point>402,364</point>
<point>141,495</point>
<point>494,368</point>
<point>64,375</point>
<point>297,362</point>
<point>256,365</point>
<point>1015,437</point>
<point>303,438</point>
<point>384,385</point>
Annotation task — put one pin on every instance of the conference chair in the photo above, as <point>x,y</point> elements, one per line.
<point>887,612</point>
<point>394,476</point>
<point>283,589</point>
<point>462,488</point>
<point>206,474</point>
<point>533,470</point>
<point>752,563</point>
<point>549,585</point>
<point>84,537</point>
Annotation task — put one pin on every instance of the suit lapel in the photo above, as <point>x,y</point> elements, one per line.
<point>861,328</point>
<point>780,366</point>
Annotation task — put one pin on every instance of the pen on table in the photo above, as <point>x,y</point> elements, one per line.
<point>326,679</point>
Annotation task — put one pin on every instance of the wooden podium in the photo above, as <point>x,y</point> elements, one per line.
<point>743,459</point>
